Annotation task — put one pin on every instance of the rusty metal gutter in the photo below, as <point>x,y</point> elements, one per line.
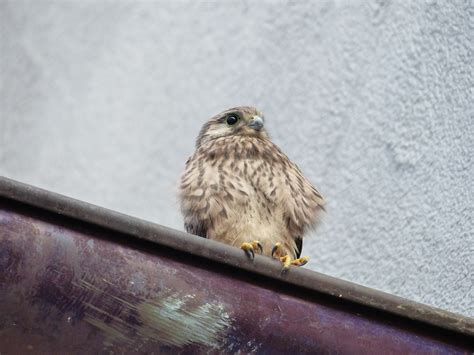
<point>78,278</point>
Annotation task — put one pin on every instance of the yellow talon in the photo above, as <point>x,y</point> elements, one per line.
<point>250,248</point>
<point>277,249</point>
<point>301,261</point>
<point>286,260</point>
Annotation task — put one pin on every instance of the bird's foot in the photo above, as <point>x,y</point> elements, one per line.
<point>251,247</point>
<point>286,260</point>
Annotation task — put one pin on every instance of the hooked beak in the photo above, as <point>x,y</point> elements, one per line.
<point>256,123</point>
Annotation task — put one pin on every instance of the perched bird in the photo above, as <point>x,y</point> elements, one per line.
<point>239,188</point>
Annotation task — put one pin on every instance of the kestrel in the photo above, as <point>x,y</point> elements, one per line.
<point>239,188</point>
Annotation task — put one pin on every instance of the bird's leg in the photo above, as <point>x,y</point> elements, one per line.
<point>251,247</point>
<point>285,259</point>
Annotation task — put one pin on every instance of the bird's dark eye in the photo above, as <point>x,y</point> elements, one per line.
<point>232,119</point>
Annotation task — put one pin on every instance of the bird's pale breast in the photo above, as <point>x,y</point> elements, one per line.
<point>244,188</point>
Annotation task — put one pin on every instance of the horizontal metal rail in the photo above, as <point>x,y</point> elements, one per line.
<point>103,280</point>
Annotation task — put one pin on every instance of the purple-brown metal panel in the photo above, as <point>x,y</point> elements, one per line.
<point>70,286</point>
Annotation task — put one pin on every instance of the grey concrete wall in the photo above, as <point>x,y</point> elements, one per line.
<point>102,101</point>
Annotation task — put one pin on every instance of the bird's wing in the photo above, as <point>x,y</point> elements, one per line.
<point>299,246</point>
<point>203,201</point>
<point>284,185</point>
<point>196,226</point>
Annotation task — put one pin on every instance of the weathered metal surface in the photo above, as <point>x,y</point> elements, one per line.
<point>69,284</point>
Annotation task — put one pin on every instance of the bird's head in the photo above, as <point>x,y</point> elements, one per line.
<point>243,121</point>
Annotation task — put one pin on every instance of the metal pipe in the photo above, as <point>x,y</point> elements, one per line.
<point>75,277</point>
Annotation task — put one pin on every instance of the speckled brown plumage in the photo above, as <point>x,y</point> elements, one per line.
<point>239,186</point>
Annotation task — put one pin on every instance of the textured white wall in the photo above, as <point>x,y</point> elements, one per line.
<point>102,101</point>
